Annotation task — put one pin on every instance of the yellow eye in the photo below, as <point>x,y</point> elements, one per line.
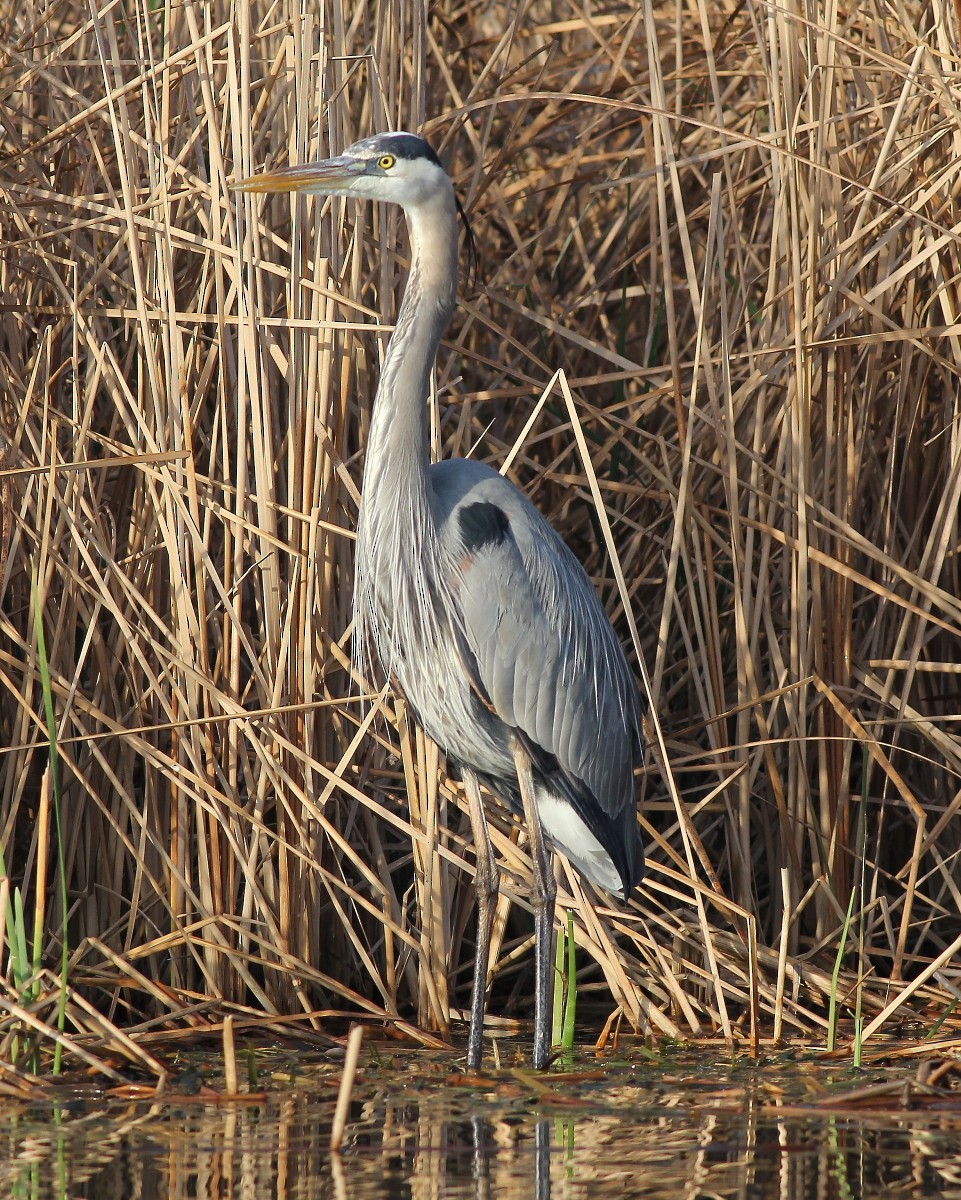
<point>386,161</point>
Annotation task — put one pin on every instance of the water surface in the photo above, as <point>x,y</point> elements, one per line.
<point>676,1124</point>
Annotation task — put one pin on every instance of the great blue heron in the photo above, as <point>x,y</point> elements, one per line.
<point>484,619</point>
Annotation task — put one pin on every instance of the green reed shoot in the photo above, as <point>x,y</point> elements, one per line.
<point>54,769</point>
<point>565,989</point>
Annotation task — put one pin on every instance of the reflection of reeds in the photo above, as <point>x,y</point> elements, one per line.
<point>705,1131</point>
<point>760,352</point>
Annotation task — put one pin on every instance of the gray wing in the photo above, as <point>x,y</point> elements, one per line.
<point>544,651</point>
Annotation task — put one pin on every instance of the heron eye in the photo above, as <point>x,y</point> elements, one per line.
<point>386,161</point>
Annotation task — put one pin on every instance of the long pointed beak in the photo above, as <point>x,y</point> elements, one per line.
<point>332,176</point>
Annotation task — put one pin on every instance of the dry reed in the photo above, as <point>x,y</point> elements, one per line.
<point>715,336</point>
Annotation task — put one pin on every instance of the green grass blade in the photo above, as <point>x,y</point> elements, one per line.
<point>570,996</point>
<point>560,983</point>
<point>54,762</point>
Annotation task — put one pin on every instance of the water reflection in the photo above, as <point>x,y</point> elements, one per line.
<point>621,1141</point>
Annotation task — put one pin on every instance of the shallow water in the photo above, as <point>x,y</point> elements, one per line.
<point>681,1124</point>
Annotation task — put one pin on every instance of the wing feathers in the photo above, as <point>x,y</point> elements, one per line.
<point>543,650</point>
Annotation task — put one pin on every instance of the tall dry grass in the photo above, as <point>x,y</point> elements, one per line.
<point>715,330</point>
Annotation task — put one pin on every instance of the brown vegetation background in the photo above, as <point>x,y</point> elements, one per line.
<point>714,331</point>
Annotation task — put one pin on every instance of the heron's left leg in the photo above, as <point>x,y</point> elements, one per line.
<point>486,883</point>
<point>543,894</point>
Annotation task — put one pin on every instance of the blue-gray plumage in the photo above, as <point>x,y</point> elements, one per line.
<point>483,617</point>
<point>540,659</point>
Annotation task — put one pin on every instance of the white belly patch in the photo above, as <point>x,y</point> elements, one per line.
<point>573,838</point>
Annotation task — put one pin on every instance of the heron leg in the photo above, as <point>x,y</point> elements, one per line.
<point>486,883</point>
<point>543,894</point>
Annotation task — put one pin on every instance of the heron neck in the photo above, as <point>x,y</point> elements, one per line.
<point>397,448</point>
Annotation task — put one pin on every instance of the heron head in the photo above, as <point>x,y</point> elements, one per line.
<point>400,168</point>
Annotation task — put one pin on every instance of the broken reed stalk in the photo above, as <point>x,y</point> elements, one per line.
<point>782,954</point>
<point>716,343</point>
<point>354,1040</point>
<point>231,1086</point>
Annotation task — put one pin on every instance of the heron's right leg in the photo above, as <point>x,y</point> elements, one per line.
<point>486,882</point>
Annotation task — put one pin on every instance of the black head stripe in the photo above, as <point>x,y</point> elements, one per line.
<point>409,146</point>
<point>402,145</point>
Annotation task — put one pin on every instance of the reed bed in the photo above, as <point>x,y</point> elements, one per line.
<point>713,334</point>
